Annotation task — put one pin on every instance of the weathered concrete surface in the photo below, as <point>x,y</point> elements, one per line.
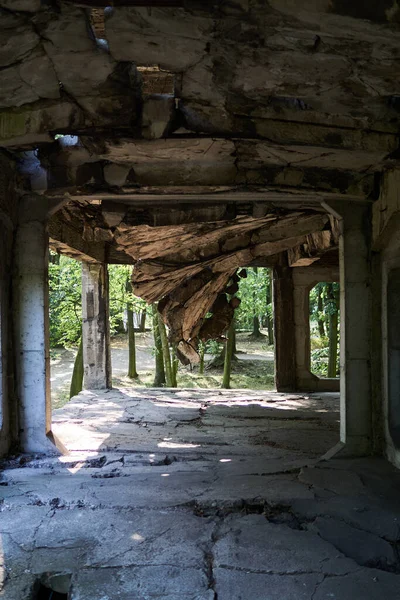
<point>198,495</point>
<point>355,329</point>
<point>96,326</point>
<point>32,358</point>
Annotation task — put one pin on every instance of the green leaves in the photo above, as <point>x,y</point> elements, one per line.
<point>65,298</point>
<point>65,301</point>
<point>253,292</point>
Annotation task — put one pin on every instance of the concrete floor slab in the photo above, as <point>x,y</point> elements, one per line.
<point>194,495</point>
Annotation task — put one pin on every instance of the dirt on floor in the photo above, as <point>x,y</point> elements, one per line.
<point>253,369</point>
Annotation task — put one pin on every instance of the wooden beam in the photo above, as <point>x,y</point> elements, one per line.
<point>67,238</point>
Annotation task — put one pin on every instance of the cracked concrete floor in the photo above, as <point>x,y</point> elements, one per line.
<point>200,495</point>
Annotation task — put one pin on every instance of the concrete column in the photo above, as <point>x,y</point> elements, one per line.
<point>355,330</point>
<point>96,327</point>
<point>31,337</point>
<point>284,329</point>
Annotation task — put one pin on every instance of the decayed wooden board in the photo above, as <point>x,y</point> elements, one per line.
<point>190,266</point>
<point>311,249</point>
<point>152,279</point>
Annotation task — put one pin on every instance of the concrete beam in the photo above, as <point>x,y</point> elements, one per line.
<point>164,196</point>
<point>137,3</point>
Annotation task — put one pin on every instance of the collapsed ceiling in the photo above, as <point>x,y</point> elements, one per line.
<point>193,138</point>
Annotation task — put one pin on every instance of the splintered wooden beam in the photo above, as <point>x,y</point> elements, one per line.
<point>311,249</point>
<point>314,246</point>
<point>165,265</point>
<point>189,268</point>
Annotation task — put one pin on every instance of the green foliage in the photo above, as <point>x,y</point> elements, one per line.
<point>65,298</point>
<point>65,301</point>
<point>324,303</point>
<point>319,361</point>
<point>121,295</point>
<point>253,293</point>
<point>329,306</point>
<point>213,347</point>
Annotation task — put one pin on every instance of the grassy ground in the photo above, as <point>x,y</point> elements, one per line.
<point>247,373</point>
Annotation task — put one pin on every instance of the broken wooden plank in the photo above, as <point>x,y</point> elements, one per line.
<point>311,248</point>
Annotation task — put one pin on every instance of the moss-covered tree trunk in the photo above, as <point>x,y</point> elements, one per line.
<point>159,376</point>
<point>333,332</point>
<point>226,379</point>
<point>321,326</point>
<point>234,348</point>
<point>77,373</point>
<point>132,373</point>
<point>165,352</point>
<point>256,333</point>
<point>175,366</point>
<point>202,351</point>
<point>142,323</point>
<point>270,319</point>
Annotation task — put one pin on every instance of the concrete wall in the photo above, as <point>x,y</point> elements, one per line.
<point>304,278</point>
<point>8,217</point>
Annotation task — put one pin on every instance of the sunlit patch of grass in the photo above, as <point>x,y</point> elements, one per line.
<point>249,374</point>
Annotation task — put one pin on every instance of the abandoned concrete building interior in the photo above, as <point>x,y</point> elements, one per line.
<point>192,139</point>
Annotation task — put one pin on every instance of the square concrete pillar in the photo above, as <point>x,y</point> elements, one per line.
<point>355,330</point>
<point>96,327</point>
<point>32,358</point>
<point>284,327</point>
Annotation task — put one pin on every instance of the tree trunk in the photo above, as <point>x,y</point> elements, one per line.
<point>256,333</point>
<point>54,258</point>
<point>77,374</point>
<point>159,376</point>
<point>270,317</point>
<point>175,365</point>
<point>321,327</point>
<point>228,356</point>
<point>256,327</point>
<point>234,349</point>
<point>142,324</point>
<point>202,350</point>
<point>333,332</point>
<point>132,373</point>
<point>165,352</point>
